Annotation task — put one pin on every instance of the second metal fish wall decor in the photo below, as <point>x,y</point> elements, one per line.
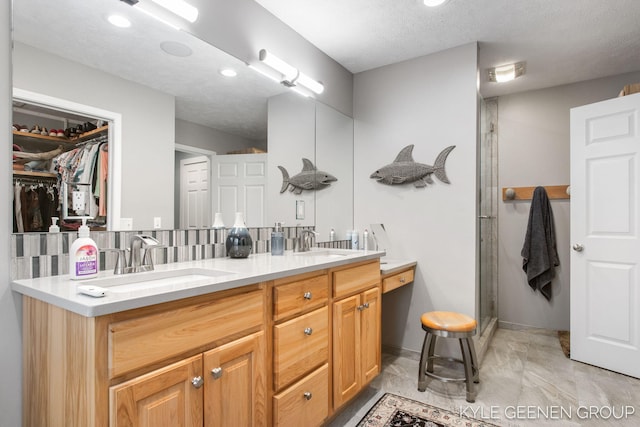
<point>405,170</point>
<point>309,179</point>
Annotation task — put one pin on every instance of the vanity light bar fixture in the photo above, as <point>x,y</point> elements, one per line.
<point>180,8</point>
<point>177,7</point>
<point>505,73</point>
<point>291,76</point>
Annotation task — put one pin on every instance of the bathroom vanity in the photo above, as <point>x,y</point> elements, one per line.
<point>264,341</point>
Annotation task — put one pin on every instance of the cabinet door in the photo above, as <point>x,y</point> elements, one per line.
<point>370,332</point>
<point>235,384</point>
<point>166,397</point>
<point>346,349</point>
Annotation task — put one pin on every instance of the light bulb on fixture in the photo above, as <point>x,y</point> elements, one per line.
<point>291,76</point>
<point>505,73</point>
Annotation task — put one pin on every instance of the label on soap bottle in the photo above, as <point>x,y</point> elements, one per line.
<point>86,260</point>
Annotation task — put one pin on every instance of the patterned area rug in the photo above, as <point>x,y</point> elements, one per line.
<point>397,411</point>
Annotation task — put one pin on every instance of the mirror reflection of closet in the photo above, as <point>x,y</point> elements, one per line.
<point>62,164</point>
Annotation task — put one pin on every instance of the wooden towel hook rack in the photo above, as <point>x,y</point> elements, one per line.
<point>526,193</point>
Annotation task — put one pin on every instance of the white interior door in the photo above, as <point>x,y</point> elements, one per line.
<point>240,185</point>
<point>195,199</point>
<point>605,282</point>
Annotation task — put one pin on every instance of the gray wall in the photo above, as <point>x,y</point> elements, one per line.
<point>10,304</point>
<point>199,136</point>
<point>533,149</point>
<point>148,125</point>
<point>291,133</point>
<point>430,102</point>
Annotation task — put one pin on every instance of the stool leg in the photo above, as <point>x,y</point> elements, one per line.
<point>468,369</point>
<point>474,361</point>
<point>422,378</point>
<point>432,347</point>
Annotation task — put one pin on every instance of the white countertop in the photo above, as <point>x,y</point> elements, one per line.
<point>170,282</point>
<point>389,265</point>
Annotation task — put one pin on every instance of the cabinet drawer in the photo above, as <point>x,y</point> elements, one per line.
<point>293,298</point>
<point>306,403</point>
<point>355,279</point>
<point>300,345</point>
<point>141,341</point>
<point>397,280</point>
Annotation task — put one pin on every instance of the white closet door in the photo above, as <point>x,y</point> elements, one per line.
<point>240,185</point>
<point>605,190</point>
<point>195,199</point>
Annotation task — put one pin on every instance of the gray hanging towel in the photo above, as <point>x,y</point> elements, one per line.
<point>539,252</point>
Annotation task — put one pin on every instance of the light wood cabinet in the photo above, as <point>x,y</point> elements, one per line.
<point>305,403</point>
<point>291,351</point>
<point>151,366</point>
<point>234,389</point>
<point>301,350</point>
<point>356,332</point>
<point>164,398</point>
<point>195,391</point>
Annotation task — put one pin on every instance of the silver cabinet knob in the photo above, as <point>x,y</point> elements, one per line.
<point>578,247</point>
<point>307,295</point>
<point>366,305</point>
<point>216,372</point>
<point>402,280</point>
<point>360,307</point>
<point>308,331</point>
<point>197,382</point>
<point>307,395</point>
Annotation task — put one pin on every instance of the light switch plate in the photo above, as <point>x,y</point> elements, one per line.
<point>157,222</point>
<point>126,223</point>
<point>299,209</point>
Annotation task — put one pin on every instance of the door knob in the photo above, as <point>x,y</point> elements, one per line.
<point>197,382</point>
<point>578,247</point>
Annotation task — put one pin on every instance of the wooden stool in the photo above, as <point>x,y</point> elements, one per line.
<point>449,324</point>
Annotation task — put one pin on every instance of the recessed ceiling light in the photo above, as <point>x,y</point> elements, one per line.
<point>176,49</point>
<point>434,3</point>
<point>119,21</point>
<point>228,72</point>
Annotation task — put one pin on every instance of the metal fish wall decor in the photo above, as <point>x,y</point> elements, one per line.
<point>404,169</point>
<point>309,179</point>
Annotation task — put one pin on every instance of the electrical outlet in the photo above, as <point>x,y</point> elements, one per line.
<point>157,222</point>
<point>77,201</point>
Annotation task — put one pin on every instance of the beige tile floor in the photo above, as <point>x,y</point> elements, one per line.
<point>522,371</point>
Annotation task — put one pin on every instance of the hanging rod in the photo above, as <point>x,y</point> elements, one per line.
<point>526,193</point>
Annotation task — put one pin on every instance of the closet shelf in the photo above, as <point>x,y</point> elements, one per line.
<point>60,139</point>
<point>33,174</point>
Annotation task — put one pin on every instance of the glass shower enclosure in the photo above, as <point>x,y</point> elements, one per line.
<point>487,212</point>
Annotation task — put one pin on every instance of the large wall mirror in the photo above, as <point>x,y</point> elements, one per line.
<point>175,104</point>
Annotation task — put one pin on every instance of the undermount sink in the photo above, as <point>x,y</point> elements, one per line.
<point>330,253</point>
<point>155,279</point>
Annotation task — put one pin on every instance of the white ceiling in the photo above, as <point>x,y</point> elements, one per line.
<point>562,41</point>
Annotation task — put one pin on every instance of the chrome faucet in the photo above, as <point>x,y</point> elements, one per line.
<point>304,241</point>
<point>140,247</point>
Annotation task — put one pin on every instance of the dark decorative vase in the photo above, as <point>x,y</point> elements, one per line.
<point>239,243</point>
